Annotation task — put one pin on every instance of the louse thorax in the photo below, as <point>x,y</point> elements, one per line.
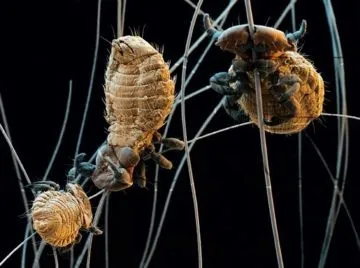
<point>268,42</point>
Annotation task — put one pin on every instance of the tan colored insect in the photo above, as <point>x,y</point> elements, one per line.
<point>139,94</point>
<point>292,89</point>
<point>58,215</point>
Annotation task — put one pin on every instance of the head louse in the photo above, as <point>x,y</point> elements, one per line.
<point>58,215</point>
<point>139,94</point>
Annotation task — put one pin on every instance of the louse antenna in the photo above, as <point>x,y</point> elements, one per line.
<point>210,30</point>
<point>296,36</point>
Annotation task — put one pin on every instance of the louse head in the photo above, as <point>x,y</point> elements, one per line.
<point>268,42</point>
<point>84,203</point>
<point>127,48</point>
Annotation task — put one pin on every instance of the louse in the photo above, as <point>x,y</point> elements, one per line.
<point>139,94</point>
<point>59,215</point>
<point>291,88</point>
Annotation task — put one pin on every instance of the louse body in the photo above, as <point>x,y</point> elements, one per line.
<point>139,94</point>
<point>58,215</point>
<point>292,89</point>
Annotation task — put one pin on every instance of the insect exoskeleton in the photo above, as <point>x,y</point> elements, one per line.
<point>139,94</point>
<point>292,89</point>
<point>58,215</point>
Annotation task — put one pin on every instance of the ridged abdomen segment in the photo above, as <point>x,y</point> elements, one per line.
<point>57,217</point>
<point>139,96</point>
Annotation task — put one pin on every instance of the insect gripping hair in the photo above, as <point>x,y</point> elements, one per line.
<point>292,89</point>
<point>139,94</point>
<point>59,215</point>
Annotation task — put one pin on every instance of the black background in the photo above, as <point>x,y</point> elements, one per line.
<point>46,43</point>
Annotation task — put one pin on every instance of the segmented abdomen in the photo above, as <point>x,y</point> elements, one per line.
<point>57,217</point>
<point>139,95</point>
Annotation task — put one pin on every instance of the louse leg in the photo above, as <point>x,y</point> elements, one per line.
<point>233,108</point>
<point>79,158</point>
<point>265,67</point>
<point>140,174</point>
<point>238,77</point>
<point>220,83</point>
<point>238,73</point>
<point>282,92</point>
<point>40,186</point>
<point>94,230</point>
<point>82,168</point>
<point>170,143</point>
<point>161,160</point>
<point>173,144</point>
<point>146,153</point>
<point>231,83</point>
<point>285,88</point>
